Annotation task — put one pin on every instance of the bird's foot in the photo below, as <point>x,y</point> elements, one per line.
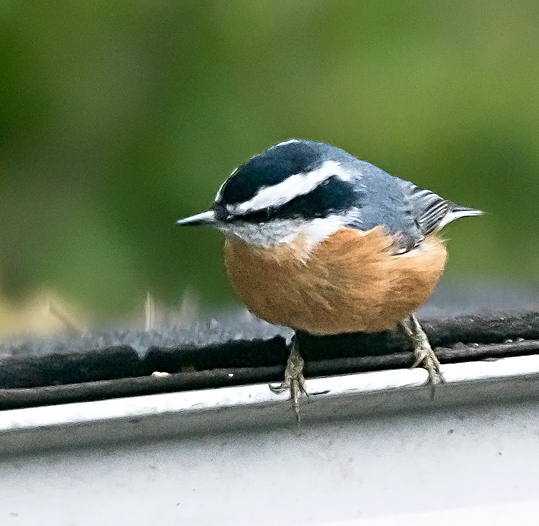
<point>423,353</point>
<point>426,358</point>
<point>294,382</point>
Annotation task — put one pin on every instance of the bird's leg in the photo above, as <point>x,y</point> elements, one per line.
<point>294,382</point>
<point>424,355</point>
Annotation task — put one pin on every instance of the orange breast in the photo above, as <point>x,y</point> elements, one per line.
<point>350,282</point>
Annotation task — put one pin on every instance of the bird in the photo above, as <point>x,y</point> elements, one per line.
<point>322,242</point>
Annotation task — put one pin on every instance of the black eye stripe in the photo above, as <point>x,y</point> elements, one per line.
<point>332,196</point>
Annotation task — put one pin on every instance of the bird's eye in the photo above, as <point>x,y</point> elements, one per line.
<point>221,213</point>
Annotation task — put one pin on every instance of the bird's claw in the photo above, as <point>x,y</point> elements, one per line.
<point>426,358</point>
<point>423,353</point>
<point>294,381</point>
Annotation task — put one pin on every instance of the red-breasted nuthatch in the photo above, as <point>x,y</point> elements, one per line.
<point>321,242</point>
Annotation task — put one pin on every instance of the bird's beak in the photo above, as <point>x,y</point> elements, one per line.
<point>204,218</point>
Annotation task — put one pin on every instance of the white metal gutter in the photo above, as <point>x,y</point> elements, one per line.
<point>373,448</point>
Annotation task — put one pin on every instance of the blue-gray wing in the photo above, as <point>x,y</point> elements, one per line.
<point>407,212</point>
<point>384,200</point>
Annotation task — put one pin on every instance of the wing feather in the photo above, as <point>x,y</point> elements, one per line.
<point>433,212</point>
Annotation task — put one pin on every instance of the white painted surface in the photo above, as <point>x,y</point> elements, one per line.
<point>374,451</point>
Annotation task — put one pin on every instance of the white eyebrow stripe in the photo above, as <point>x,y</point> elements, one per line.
<point>292,187</point>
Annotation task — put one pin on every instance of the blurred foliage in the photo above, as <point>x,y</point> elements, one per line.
<point>119,117</point>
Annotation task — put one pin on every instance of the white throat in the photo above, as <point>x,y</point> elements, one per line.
<point>282,231</point>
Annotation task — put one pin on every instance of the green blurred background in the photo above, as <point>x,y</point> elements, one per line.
<point>119,117</point>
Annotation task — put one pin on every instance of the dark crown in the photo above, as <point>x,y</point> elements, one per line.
<point>270,168</point>
<point>275,166</point>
